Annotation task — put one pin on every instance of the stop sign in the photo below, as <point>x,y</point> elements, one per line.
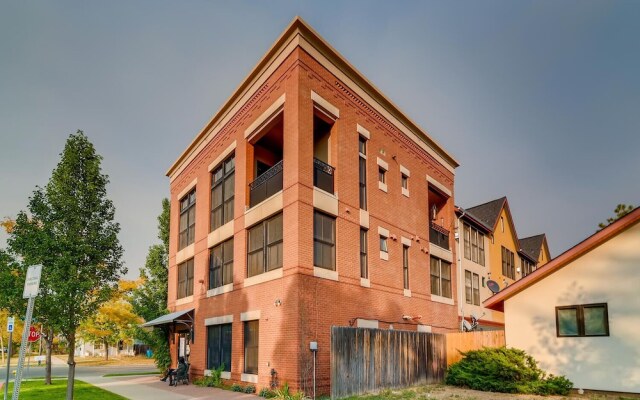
<point>33,334</point>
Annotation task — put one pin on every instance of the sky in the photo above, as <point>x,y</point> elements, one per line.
<point>539,101</point>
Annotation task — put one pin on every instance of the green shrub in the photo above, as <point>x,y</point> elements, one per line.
<point>250,389</point>
<point>237,388</point>
<point>213,380</point>
<point>266,393</point>
<point>504,370</point>
<point>284,393</point>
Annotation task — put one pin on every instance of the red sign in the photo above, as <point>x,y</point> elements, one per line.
<point>33,334</point>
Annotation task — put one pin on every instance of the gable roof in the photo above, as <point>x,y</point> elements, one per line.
<point>496,302</point>
<point>488,213</point>
<point>472,219</point>
<point>299,34</point>
<point>532,245</point>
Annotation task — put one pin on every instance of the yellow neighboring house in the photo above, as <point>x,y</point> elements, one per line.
<point>490,250</point>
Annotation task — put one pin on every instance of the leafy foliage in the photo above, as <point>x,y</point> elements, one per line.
<point>213,380</point>
<point>249,389</point>
<point>621,210</point>
<point>149,300</point>
<point>504,370</point>
<point>237,388</point>
<point>114,320</point>
<point>285,393</point>
<point>71,230</point>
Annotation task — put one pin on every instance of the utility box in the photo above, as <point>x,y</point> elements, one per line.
<point>313,346</point>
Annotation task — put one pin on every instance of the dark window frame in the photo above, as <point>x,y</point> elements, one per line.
<point>508,263</point>
<point>382,175</point>
<point>364,258</point>
<point>226,206</point>
<point>186,235</point>
<point>405,266</point>
<point>362,172</point>
<point>185,275</point>
<point>320,239</point>
<point>225,267</point>
<point>437,290</point>
<point>251,348</point>
<point>474,244</point>
<point>580,322</point>
<point>404,181</point>
<point>527,266</point>
<point>224,349</point>
<point>384,244</point>
<point>267,245</point>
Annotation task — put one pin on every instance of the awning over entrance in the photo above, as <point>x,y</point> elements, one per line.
<point>179,317</point>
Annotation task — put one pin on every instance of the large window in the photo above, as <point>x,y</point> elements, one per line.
<point>473,245</point>
<point>185,279</point>
<point>222,193</point>
<point>219,347</point>
<point>362,150</point>
<point>187,220</point>
<point>264,247</point>
<point>364,265</point>
<point>472,288</point>
<point>527,266</point>
<point>405,266</point>
<point>251,335</point>
<point>582,320</point>
<point>324,241</point>
<point>440,277</point>
<point>221,264</point>
<point>508,263</point>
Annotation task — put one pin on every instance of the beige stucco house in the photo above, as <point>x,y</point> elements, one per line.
<point>579,315</point>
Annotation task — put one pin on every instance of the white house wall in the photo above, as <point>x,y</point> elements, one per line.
<point>608,274</point>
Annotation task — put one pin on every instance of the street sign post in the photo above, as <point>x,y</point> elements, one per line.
<point>31,287</point>
<point>10,326</point>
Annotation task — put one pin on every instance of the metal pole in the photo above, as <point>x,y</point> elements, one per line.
<point>23,348</point>
<point>6,382</point>
<point>314,375</point>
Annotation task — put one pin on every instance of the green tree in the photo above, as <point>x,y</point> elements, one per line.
<point>150,299</point>
<point>114,321</point>
<point>621,210</point>
<point>71,231</point>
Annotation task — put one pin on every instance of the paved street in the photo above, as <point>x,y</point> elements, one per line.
<point>141,387</point>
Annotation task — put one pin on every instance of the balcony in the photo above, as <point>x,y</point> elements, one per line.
<point>266,185</point>
<point>439,236</point>
<point>323,175</point>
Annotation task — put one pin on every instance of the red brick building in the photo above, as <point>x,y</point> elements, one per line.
<point>308,201</point>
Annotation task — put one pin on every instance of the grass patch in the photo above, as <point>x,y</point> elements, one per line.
<point>37,390</point>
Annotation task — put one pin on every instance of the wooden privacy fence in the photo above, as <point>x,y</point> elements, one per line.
<point>465,341</point>
<point>366,360</point>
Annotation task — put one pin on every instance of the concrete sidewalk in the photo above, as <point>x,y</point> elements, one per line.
<point>150,387</point>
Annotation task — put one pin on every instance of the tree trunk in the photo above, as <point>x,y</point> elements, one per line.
<point>72,365</point>
<point>48,340</point>
<point>2,348</point>
<point>106,350</point>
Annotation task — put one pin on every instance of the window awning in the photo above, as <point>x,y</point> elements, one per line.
<point>180,317</point>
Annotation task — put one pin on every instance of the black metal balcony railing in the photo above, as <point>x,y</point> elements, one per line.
<point>266,185</point>
<point>323,175</point>
<point>438,235</point>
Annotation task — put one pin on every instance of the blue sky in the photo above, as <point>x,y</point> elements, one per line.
<point>538,100</point>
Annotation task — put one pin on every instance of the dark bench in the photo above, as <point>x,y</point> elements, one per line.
<point>182,377</point>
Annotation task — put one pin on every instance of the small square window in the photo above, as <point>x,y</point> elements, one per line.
<point>382,175</point>
<point>383,244</point>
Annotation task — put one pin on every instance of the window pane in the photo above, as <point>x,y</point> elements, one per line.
<point>274,256</point>
<point>364,273</point>
<point>595,321</point>
<point>251,336</point>
<point>274,229</point>
<point>467,242</point>
<point>229,186</point>
<point>213,347</point>
<point>362,145</point>
<point>255,263</point>
<point>226,346</point>
<point>216,196</point>
<point>383,244</point>
<point>567,322</point>
<point>476,289</point>
<point>467,287</point>
<point>229,165</point>
<point>228,211</point>
<point>256,238</point>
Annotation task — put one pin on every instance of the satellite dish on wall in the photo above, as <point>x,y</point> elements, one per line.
<point>493,286</point>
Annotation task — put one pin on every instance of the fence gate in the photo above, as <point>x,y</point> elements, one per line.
<point>366,360</point>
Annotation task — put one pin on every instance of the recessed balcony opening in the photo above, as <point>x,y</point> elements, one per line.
<point>265,161</point>
<point>438,219</point>
<point>323,172</point>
